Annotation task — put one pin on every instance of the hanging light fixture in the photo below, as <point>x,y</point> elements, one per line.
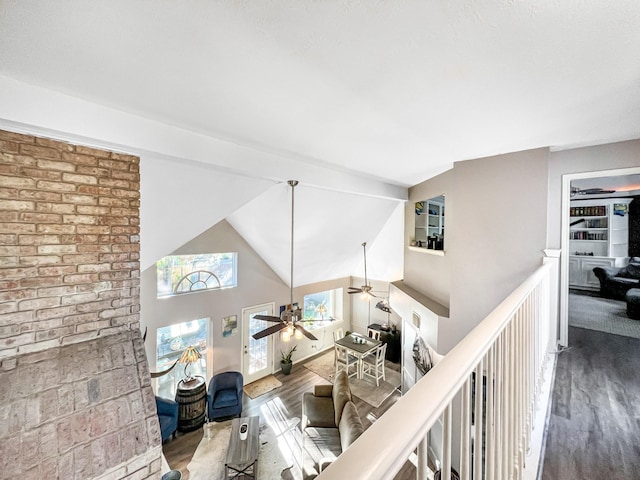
<point>291,319</point>
<point>365,289</point>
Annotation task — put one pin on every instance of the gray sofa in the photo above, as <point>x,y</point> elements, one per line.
<point>330,423</point>
<point>615,282</point>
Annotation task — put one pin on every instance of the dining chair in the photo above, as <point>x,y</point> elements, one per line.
<point>375,334</point>
<point>373,364</point>
<point>338,334</point>
<point>344,361</point>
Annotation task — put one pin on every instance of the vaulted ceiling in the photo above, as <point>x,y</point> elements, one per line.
<point>357,99</point>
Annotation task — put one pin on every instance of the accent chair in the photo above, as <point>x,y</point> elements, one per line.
<point>224,398</point>
<point>167,416</point>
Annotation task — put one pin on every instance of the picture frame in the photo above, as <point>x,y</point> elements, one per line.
<point>283,308</point>
<point>229,326</point>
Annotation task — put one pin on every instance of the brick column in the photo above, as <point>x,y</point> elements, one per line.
<point>76,400</point>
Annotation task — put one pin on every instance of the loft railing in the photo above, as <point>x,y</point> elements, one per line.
<point>503,357</point>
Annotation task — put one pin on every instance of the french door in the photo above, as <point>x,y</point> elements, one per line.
<point>257,358</point>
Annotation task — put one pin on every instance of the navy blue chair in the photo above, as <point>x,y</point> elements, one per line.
<point>168,417</point>
<point>224,398</point>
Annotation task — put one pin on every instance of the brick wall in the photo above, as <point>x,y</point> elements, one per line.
<point>76,400</point>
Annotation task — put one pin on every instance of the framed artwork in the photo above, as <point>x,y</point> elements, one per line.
<point>229,326</point>
<point>287,307</point>
<point>620,209</point>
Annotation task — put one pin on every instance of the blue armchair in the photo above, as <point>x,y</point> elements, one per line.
<point>224,398</point>
<point>168,417</point>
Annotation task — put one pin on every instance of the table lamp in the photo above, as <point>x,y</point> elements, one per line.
<point>190,355</point>
<point>321,309</point>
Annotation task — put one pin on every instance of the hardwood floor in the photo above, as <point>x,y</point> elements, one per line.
<point>180,450</point>
<point>593,430</point>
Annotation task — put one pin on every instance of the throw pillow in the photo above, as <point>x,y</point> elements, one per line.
<point>633,270</point>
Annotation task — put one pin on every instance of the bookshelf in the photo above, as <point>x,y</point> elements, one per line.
<point>429,223</point>
<point>598,237</point>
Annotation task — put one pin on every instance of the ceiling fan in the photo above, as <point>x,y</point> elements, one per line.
<point>589,191</point>
<point>365,289</point>
<point>290,318</point>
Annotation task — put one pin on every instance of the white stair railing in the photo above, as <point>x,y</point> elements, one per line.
<point>490,382</point>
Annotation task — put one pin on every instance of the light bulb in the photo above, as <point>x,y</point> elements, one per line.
<point>286,335</point>
<point>298,334</point>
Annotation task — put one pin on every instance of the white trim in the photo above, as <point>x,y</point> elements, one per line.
<point>429,251</point>
<point>564,240</point>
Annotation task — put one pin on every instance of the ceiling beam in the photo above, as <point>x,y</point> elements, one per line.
<point>35,110</point>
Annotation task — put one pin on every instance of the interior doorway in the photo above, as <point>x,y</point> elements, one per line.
<point>600,245</point>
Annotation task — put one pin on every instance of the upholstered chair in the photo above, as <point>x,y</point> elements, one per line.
<point>167,416</point>
<point>224,398</point>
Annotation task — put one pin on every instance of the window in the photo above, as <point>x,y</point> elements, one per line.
<point>322,307</point>
<point>171,343</point>
<point>178,274</point>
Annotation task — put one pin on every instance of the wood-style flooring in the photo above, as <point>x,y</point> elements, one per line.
<point>594,428</point>
<point>179,451</point>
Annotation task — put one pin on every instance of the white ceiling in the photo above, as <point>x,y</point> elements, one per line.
<point>394,89</point>
<point>357,99</point>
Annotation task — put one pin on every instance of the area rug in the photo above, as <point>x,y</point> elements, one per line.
<point>364,389</point>
<point>262,386</point>
<point>601,314</point>
<point>209,458</point>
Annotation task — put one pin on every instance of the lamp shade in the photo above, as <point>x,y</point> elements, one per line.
<point>384,306</point>
<point>190,355</point>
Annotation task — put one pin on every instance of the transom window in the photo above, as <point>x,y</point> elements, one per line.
<point>178,274</point>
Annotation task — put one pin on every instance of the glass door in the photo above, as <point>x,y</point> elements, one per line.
<point>257,359</point>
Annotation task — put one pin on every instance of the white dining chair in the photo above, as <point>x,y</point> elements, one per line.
<point>375,334</point>
<point>337,334</point>
<point>344,361</point>
<point>373,364</point>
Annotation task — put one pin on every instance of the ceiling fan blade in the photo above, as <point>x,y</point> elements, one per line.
<point>268,331</point>
<point>355,290</point>
<point>305,332</point>
<point>267,318</point>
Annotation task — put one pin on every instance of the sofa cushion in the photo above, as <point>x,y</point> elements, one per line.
<point>350,425</point>
<point>318,411</point>
<point>323,390</point>
<point>225,398</point>
<point>633,270</point>
<point>341,395</point>
<point>625,281</point>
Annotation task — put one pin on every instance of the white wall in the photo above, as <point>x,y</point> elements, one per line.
<point>496,213</point>
<point>599,158</point>
<point>431,272</point>
<point>257,284</point>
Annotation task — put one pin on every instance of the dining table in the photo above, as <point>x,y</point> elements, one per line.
<point>359,346</point>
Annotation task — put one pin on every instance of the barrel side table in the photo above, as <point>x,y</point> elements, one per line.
<point>192,404</point>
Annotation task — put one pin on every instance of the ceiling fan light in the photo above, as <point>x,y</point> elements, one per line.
<point>286,335</point>
<point>298,334</point>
